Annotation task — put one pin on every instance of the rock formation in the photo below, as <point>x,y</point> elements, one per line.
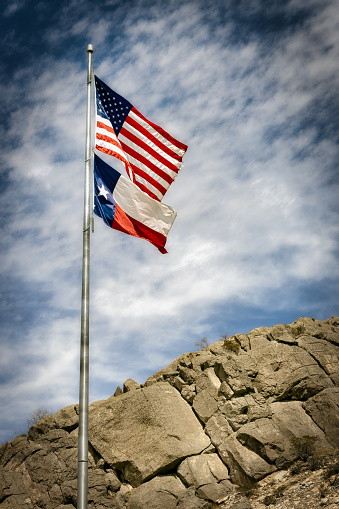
<point>227,416</point>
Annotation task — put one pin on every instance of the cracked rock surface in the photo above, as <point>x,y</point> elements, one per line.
<point>239,413</point>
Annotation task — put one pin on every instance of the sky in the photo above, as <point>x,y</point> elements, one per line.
<point>252,88</point>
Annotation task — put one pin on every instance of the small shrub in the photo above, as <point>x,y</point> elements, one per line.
<point>231,344</point>
<point>323,490</point>
<point>315,462</point>
<point>270,499</point>
<point>38,414</point>
<point>304,447</point>
<point>295,469</point>
<point>298,330</point>
<point>332,469</point>
<point>202,344</point>
<point>248,487</point>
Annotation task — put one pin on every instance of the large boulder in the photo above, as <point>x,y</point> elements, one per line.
<point>244,464</point>
<point>145,432</point>
<point>266,439</point>
<point>208,475</point>
<point>160,493</point>
<point>290,417</point>
<point>323,408</point>
<point>288,372</point>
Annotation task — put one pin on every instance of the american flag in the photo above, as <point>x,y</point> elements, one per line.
<point>152,157</point>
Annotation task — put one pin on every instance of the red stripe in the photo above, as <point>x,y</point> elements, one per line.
<point>110,140</point>
<point>152,138</point>
<point>146,190</point>
<point>111,153</point>
<point>147,149</point>
<point>105,126</point>
<point>147,163</point>
<point>161,131</point>
<point>147,177</point>
<point>124,223</point>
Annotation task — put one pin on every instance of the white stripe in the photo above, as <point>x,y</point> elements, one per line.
<point>147,156</point>
<point>156,134</point>
<point>155,176</point>
<point>107,144</point>
<point>138,205</point>
<point>104,121</point>
<point>150,144</point>
<point>149,186</point>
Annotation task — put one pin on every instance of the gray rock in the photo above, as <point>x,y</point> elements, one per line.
<point>258,407</point>
<point>226,390</point>
<point>258,396</point>
<point>179,383</point>
<point>15,453</point>
<point>237,372</point>
<point>144,432</point>
<point>244,341</point>
<point>208,380</point>
<point>189,500</point>
<point>243,463</point>
<point>244,503</point>
<point>235,411</point>
<point>217,493</point>
<point>205,404</point>
<point>118,391</point>
<point>130,385</point>
<point>323,408</point>
<point>188,393</point>
<point>67,419</point>
<point>17,502</point>
<point>288,372</point>
<point>283,333</point>
<point>218,429</point>
<point>187,374</point>
<point>292,420</point>
<point>206,473</point>
<point>161,492</point>
<point>202,360</point>
<point>325,353</point>
<point>11,483</point>
<point>266,439</point>
<point>203,469</point>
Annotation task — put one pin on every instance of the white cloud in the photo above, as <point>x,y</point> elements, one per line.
<point>256,213</point>
<point>13,7</point>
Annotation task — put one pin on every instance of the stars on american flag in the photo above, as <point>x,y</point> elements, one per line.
<point>115,108</point>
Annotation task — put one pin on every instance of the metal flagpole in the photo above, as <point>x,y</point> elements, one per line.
<point>84,348</point>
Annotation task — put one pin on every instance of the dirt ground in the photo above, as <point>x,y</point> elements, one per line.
<point>305,485</point>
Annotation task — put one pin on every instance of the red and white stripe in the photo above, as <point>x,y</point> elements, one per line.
<point>152,157</point>
<point>106,141</point>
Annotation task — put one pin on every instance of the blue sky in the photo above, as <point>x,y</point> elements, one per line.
<point>252,88</point>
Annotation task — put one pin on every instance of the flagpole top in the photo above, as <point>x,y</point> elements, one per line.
<point>89,48</point>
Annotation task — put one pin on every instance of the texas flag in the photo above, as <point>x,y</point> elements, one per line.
<point>124,207</point>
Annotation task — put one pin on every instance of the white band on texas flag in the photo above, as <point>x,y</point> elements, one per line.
<point>123,207</point>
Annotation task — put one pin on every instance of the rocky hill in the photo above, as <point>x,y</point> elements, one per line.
<point>232,426</point>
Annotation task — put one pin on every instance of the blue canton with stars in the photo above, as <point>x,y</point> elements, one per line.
<point>111,105</point>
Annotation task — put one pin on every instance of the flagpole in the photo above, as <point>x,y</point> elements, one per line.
<point>84,347</point>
